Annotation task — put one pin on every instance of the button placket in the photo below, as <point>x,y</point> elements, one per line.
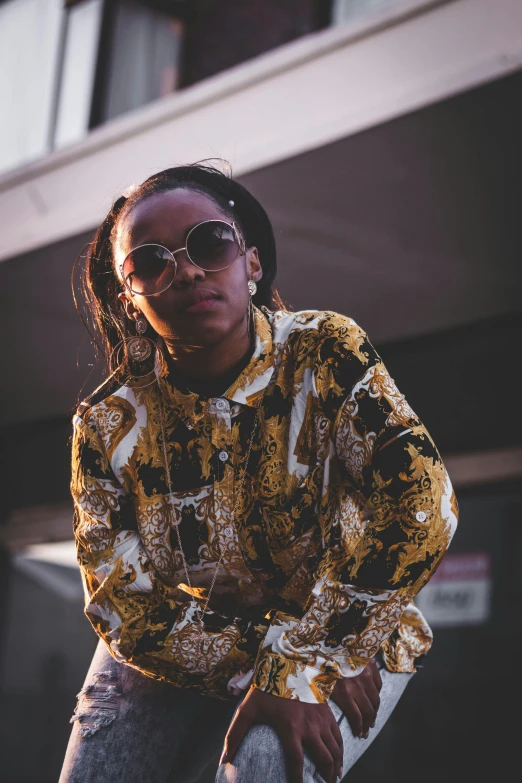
<point>224,491</point>
<point>224,498</point>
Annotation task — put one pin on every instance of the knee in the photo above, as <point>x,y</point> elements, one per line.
<point>259,759</point>
<point>98,703</point>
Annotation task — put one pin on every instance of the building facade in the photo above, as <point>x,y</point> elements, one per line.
<point>383,138</point>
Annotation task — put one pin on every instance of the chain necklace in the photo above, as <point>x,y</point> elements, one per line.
<point>200,612</point>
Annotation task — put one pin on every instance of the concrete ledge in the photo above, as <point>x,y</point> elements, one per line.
<point>484,467</point>
<point>37,525</point>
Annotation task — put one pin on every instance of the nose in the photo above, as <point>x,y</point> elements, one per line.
<point>186,272</point>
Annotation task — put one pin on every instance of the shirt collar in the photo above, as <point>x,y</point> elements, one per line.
<point>249,386</point>
<point>247,389</point>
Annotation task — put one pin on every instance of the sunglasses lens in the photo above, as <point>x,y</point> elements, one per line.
<point>212,245</point>
<point>149,269</point>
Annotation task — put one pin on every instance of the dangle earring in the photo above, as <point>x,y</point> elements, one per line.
<point>136,349</point>
<point>252,288</point>
<point>139,348</point>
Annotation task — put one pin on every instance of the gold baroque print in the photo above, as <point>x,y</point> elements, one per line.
<point>309,517</point>
<point>349,334</point>
<point>118,420</point>
<point>382,386</point>
<point>272,674</point>
<point>154,523</point>
<point>356,448</point>
<point>85,435</point>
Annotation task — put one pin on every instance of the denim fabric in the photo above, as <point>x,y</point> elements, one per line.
<point>152,732</point>
<point>128,728</point>
<point>260,757</point>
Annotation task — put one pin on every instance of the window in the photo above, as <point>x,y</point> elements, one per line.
<point>65,67</point>
<point>30,35</point>
<point>76,81</point>
<point>346,10</point>
<point>139,57</point>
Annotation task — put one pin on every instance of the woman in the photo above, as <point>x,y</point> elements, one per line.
<point>256,506</point>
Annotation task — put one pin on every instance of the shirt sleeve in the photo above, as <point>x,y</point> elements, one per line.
<point>140,617</point>
<point>397,514</point>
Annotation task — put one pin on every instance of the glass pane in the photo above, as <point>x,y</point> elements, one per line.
<point>30,35</point>
<point>79,70</point>
<point>143,62</point>
<point>346,10</point>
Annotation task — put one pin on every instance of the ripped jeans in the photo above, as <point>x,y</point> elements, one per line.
<point>129,728</point>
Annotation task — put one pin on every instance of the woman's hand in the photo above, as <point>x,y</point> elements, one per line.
<point>358,697</point>
<point>300,726</point>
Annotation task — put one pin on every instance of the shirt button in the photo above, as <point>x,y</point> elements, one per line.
<point>221,405</point>
<point>223,456</point>
<point>420,516</point>
<point>228,532</point>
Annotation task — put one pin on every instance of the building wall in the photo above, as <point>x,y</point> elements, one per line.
<point>221,35</point>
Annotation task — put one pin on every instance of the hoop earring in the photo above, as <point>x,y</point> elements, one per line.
<point>252,288</point>
<point>137,349</point>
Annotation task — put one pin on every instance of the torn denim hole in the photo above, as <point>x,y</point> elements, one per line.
<point>98,704</point>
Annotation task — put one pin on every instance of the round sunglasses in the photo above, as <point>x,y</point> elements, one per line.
<point>212,245</point>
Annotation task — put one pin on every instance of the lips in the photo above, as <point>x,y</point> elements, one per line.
<point>199,300</point>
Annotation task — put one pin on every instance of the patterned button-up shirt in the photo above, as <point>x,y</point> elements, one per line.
<point>339,516</point>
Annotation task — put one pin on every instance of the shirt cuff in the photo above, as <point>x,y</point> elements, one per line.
<point>293,679</point>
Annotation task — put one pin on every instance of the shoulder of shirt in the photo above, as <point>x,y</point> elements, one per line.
<point>104,390</point>
<point>322,323</point>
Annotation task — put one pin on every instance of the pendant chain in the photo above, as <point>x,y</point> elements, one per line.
<point>201,612</point>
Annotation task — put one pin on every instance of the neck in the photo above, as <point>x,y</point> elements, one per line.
<point>211,364</point>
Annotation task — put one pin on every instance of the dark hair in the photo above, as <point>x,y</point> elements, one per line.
<point>99,282</point>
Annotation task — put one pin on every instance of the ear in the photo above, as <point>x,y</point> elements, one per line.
<point>254,268</point>
<point>131,310</point>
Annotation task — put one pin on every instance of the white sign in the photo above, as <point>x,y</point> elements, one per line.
<point>459,592</point>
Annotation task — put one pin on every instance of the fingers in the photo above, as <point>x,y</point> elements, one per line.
<point>326,760</point>
<point>376,675</point>
<point>359,700</point>
<point>334,742</point>
<point>353,714</point>
<point>343,696</point>
<point>373,685</point>
<point>240,725</point>
<point>367,711</point>
<point>373,695</point>
<point>336,732</point>
<point>293,758</point>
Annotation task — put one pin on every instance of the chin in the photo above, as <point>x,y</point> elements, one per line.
<point>205,334</point>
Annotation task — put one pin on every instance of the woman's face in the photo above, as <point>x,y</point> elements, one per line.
<point>199,308</point>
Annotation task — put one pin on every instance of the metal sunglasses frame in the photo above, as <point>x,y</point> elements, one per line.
<point>240,244</point>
